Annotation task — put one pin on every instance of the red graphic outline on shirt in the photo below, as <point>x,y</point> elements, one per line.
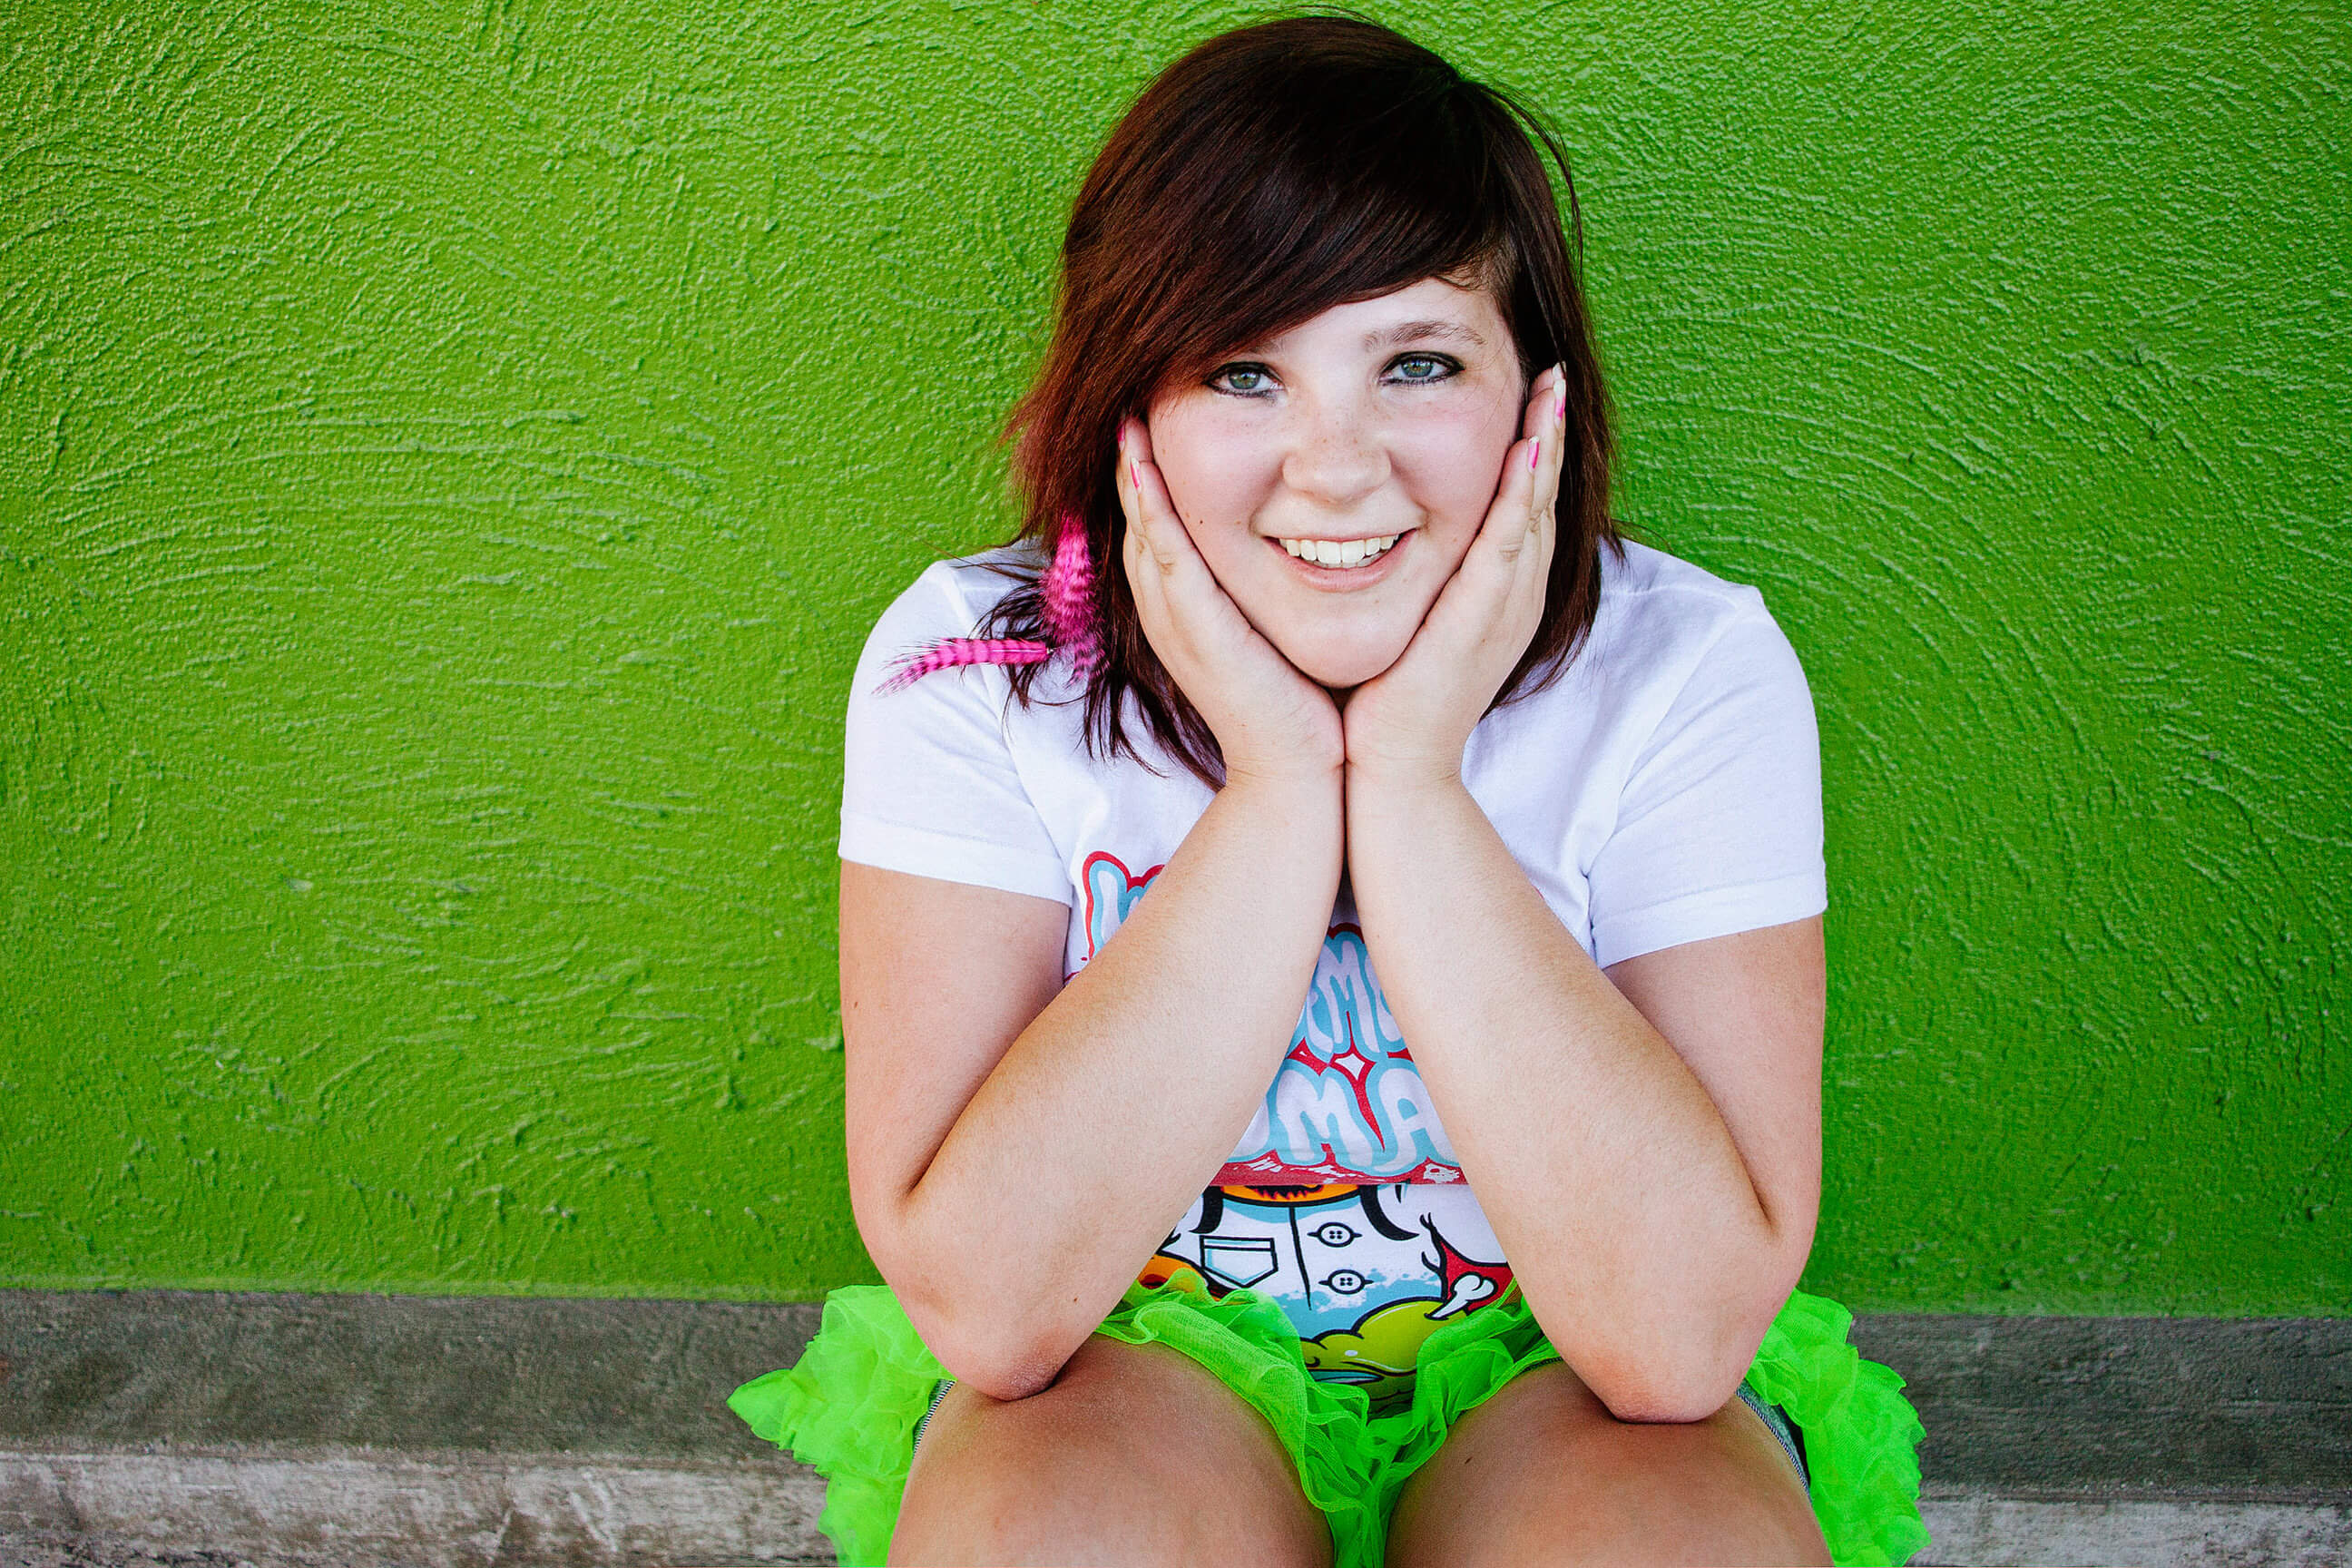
<point>1467,1283</point>
<point>1135,884</point>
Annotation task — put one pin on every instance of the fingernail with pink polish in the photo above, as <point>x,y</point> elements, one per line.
<point>1535,451</point>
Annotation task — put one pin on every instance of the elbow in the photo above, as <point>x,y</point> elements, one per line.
<point>1679,1378</point>
<point>996,1353</point>
<point>1005,1346</point>
<point>1001,1346</point>
<point>1680,1356</point>
<point>1688,1365</point>
<point>1666,1399</point>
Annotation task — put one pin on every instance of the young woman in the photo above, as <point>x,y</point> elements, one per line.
<point>1486,1253</point>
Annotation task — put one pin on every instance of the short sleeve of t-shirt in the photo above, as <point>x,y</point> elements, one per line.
<point>930,785</point>
<point>1719,828</point>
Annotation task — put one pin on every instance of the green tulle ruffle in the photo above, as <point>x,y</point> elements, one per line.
<point>1862,1437</point>
<point>849,1408</point>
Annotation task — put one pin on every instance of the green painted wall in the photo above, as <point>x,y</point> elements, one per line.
<point>450,455</point>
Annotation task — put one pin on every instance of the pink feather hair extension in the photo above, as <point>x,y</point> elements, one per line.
<point>949,653</point>
<point>1067,592</point>
<point>1069,597</point>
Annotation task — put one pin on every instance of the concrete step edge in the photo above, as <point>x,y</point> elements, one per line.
<point>371,1508</point>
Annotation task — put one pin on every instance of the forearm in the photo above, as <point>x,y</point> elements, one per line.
<point>1114,1107</point>
<point>1611,1180</point>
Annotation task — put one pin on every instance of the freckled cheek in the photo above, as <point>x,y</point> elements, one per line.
<point>1452,471</point>
<point>1211,471</point>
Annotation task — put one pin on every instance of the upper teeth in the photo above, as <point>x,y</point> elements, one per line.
<point>1339,552</point>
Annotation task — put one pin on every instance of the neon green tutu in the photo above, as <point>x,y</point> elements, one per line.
<point>850,1405</point>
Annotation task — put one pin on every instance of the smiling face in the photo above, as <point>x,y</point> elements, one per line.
<point>1292,464</point>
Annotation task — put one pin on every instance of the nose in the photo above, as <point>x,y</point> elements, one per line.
<point>1335,456</point>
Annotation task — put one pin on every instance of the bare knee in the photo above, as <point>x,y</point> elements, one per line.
<point>1135,1454</point>
<point>1718,1491</point>
<point>1543,1473</point>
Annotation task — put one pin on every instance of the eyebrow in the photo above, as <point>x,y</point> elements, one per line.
<point>1410,331</point>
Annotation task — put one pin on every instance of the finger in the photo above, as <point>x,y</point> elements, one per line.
<point>1535,416</point>
<point>1540,528</point>
<point>1123,481</point>
<point>1505,532</point>
<point>1150,513</point>
<point>1540,452</point>
<point>1175,587</point>
<point>1553,414</point>
<point>1511,549</point>
<point>1145,559</point>
<point>1144,579</point>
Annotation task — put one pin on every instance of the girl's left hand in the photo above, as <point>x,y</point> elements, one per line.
<point>1410,722</point>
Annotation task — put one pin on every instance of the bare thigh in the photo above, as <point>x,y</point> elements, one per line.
<point>1135,1454</point>
<point>1542,1473</point>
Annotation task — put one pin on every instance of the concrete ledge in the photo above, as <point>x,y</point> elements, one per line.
<point>361,1510</point>
<point>138,1427</point>
<point>452,1510</point>
<point>2079,1533</point>
<point>2218,1407</point>
<point>426,1373</point>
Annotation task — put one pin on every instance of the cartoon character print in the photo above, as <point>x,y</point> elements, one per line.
<point>1342,1200</point>
<point>1365,1273</point>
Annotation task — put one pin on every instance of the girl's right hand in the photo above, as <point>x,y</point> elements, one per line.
<point>1270,721</point>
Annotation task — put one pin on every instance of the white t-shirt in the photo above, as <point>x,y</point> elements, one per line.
<point>1664,789</point>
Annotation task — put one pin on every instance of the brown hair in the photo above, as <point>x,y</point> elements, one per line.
<point>1273,171</point>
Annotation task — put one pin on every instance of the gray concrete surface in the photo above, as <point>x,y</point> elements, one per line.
<point>385,1518</point>
<point>176,1429</point>
<point>410,1373</point>
<point>2144,1533</point>
<point>338,1508</point>
<point>1983,1530</point>
<point>48,1549</point>
<point>2128,1407</point>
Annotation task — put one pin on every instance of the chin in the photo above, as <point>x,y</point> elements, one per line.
<point>1344,667</point>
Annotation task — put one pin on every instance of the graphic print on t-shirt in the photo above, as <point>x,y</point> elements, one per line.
<point>1342,1201</point>
<point>1364,1273</point>
<point>1347,1104</point>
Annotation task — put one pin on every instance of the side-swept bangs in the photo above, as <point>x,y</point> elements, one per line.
<point>1269,175</point>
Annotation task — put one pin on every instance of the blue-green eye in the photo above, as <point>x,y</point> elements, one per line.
<point>1421,370</point>
<point>1243,380</point>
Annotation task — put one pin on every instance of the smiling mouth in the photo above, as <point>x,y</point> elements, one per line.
<point>1341,553</point>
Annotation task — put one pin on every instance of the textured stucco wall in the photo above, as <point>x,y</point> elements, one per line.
<point>450,456</point>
